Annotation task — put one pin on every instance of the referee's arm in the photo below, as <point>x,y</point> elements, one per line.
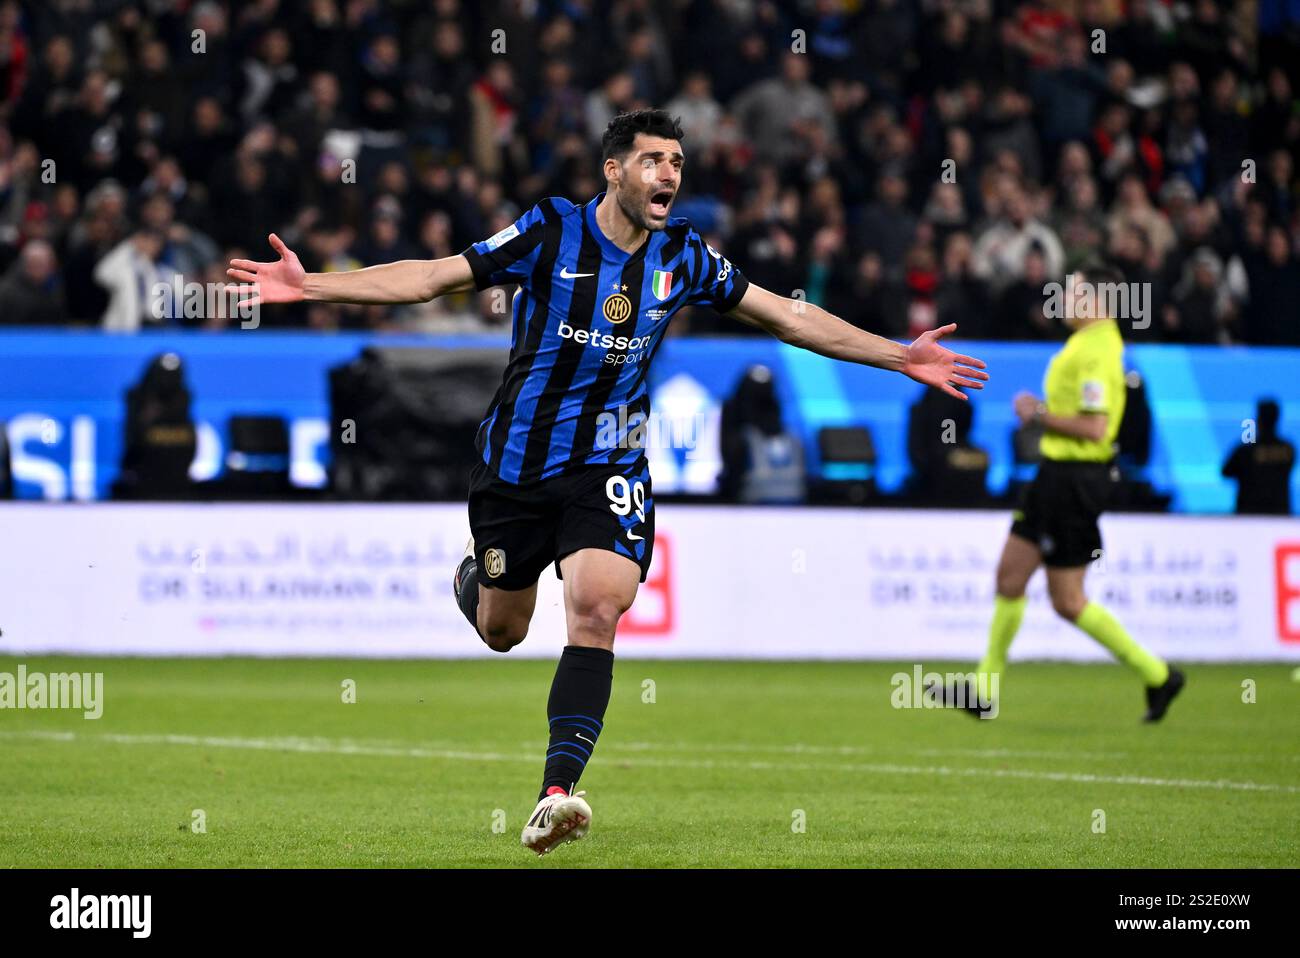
<point>810,327</point>
<point>1085,425</point>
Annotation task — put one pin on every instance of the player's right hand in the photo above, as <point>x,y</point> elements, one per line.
<point>278,282</point>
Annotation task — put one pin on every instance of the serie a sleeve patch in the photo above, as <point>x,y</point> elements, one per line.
<point>505,236</point>
<point>1093,396</point>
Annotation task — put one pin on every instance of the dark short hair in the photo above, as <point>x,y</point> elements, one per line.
<point>1099,272</point>
<point>622,130</point>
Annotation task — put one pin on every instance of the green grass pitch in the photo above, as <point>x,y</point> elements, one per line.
<point>733,764</point>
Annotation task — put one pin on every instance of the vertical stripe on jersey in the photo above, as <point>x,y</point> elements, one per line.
<point>633,390</point>
<point>567,407</point>
<point>524,411</point>
<point>607,377</point>
<point>578,303</point>
<point>526,353</point>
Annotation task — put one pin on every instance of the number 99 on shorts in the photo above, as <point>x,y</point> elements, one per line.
<point>624,496</point>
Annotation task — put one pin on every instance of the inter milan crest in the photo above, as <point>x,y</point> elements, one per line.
<point>494,561</point>
<point>617,308</point>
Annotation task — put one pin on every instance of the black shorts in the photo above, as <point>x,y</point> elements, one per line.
<point>1059,510</point>
<point>519,529</point>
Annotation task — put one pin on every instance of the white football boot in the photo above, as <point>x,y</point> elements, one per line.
<point>455,577</point>
<point>557,819</point>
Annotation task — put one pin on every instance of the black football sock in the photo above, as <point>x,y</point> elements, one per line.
<point>467,591</point>
<point>576,709</point>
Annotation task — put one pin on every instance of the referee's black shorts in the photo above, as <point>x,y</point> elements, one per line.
<point>1059,510</point>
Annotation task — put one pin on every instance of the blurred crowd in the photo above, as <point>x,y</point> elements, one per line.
<point>904,163</point>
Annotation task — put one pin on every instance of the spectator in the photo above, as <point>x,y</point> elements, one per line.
<point>270,77</point>
<point>700,114</point>
<point>50,91</point>
<point>945,213</point>
<point>1000,253</point>
<point>1066,91</point>
<point>1227,131</point>
<point>616,95</point>
<point>30,291</point>
<point>1009,128</point>
<point>778,115</point>
<point>960,297</point>
<point>385,242</point>
<point>186,251</point>
<point>301,117</point>
<point>1186,149</point>
<point>887,226</point>
<point>1022,312</point>
<point>130,273</point>
<point>1272,315</point>
<point>1133,208</point>
<point>322,112</point>
<point>1201,308</point>
<point>1080,223</point>
<point>872,299</point>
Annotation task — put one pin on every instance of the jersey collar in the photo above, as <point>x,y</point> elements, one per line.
<point>1109,324</point>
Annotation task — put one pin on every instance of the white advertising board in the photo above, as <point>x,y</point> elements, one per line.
<point>375,580</point>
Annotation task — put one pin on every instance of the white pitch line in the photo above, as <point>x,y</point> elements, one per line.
<point>800,749</point>
<point>397,747</point>
<point>348,747</point>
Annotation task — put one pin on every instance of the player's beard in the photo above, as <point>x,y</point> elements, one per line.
<point>636,213</point>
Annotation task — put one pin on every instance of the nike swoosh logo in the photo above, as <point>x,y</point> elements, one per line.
<point>633,537</point>
<point>565,274</point>
<point>584,738</point>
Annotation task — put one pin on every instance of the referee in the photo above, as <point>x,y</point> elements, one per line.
<point>1056,523</point>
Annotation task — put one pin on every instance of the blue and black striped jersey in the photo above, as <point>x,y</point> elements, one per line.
<point>588,318</point>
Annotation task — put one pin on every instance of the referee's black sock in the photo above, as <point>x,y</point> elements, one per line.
<point>576,709</point>
<point>466,590</point>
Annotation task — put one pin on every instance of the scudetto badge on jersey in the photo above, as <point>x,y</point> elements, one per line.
<point>661,284</point>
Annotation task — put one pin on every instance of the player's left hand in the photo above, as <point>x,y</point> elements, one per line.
<point>928,362</point>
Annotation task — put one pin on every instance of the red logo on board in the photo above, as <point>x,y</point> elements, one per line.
<point>1286,557</point>
<point>651,615</point>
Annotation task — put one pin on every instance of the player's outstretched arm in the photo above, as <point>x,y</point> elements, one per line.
<point>810,327</point>
<point>406,281</point>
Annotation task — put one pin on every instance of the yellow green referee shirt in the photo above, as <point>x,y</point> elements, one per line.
<point>1087,375</point>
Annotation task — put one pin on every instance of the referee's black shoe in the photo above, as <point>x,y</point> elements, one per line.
<point>960,695</point>
<point>1158,698</point>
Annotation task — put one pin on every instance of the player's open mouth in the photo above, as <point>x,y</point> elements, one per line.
<point>659,203</point>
